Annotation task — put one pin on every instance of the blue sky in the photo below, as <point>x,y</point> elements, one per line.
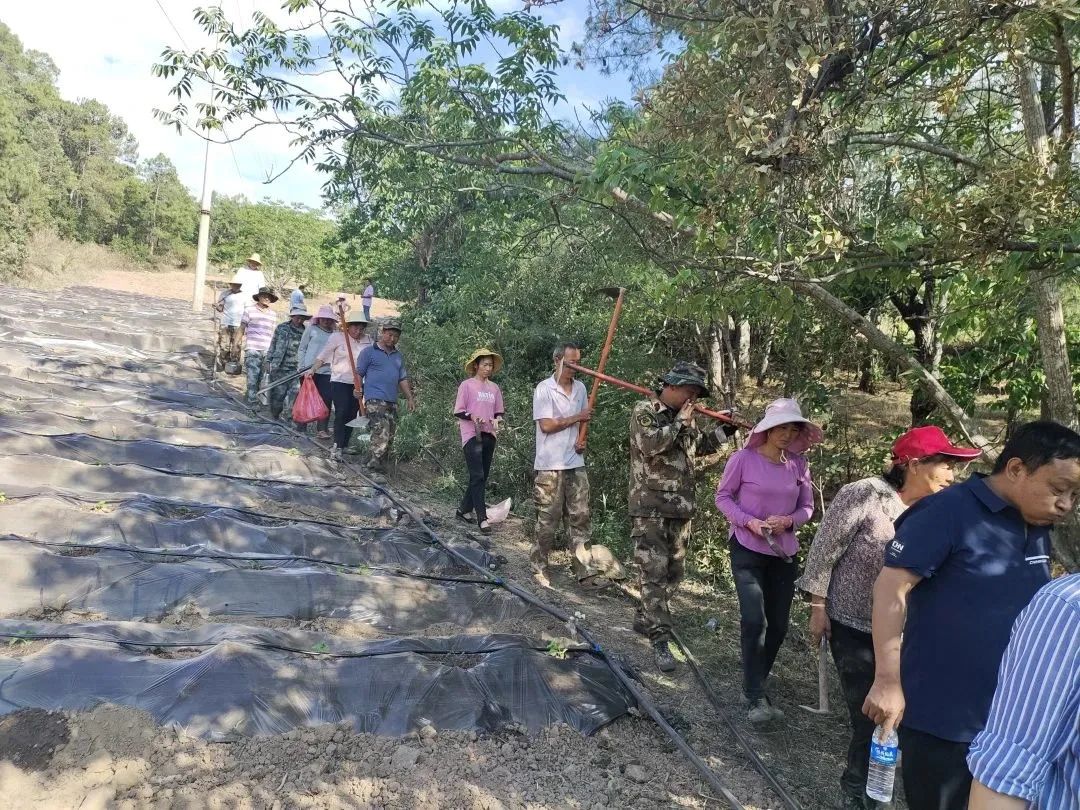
<point>108,56</point>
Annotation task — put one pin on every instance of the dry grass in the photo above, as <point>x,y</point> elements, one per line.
<point>55,262</point>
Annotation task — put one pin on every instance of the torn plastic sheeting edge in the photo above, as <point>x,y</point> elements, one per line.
<point>287,641</point>
<point>136,551</point>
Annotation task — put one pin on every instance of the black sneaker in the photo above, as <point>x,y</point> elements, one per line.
<point>665,661</point>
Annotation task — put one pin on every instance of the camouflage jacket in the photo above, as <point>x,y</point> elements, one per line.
<point>284,348</point>
<point>662,455</point>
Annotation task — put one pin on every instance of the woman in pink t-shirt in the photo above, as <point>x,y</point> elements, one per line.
<point>479,411</point>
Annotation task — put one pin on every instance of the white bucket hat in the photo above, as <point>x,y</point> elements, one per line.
<point>784,412</point>
<point>237,278</point>
<point>299,311</point>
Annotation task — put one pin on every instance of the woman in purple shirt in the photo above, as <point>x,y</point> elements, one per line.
<point>765,494</point>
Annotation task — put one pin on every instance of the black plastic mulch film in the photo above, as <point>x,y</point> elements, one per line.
<point>133,493</point>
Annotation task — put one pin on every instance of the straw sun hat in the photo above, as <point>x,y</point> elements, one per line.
<point>470,364</point>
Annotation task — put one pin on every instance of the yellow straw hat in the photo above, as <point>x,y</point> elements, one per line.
<point>470,364</point>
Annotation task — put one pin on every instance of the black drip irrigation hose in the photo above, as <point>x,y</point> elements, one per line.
<point>222,555</point>
<point>714,700</point>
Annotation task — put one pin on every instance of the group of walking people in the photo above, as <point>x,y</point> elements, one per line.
<point>349,369</point>
<point>948,569</point>
<point>913,581</point>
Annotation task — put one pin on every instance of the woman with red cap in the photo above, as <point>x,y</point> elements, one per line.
<point>845,559</point>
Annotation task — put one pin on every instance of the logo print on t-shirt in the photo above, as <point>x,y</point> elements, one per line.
<point>896,546</point>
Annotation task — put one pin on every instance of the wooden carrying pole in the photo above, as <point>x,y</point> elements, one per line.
<point>640,389</point>
<point>583,427</point>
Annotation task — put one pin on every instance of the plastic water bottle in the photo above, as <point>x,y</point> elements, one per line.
<point>884,753</point>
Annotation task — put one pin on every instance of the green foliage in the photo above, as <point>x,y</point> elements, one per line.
<point>295,241</point>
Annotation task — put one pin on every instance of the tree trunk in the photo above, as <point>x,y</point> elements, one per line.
<point>793,355</point>
<point>764,349</point>
<point>920,310</point>
<point>714,352</point>
<point>893,350</point>
<point>743,359</point>
<point>730,388</point>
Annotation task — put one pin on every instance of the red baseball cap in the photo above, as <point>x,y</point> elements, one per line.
<point>929,440</point>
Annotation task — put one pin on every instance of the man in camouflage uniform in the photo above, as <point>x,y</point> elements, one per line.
<point>664,443</point>
<point>282,359</point>
<point>382,369</point>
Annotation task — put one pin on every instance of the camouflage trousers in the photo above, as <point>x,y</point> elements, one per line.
<point>229,345</point>
<point>383,426</point>
<point>660,552</point>
<point>282,397</point>
<point>253,367</point>
<point>563,495</point>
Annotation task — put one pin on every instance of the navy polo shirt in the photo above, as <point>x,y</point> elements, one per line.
<point>382,371</point>
<point>981,564</point>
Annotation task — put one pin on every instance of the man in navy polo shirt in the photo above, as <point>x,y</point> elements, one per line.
<point>963,565</point>
<point>383,370</point>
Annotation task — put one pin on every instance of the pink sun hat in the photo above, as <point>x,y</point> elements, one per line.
<point>784,412</point>
<point>325,311</point>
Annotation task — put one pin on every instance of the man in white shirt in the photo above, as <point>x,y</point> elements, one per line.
<point>230,304</point>
<point>251,276</point>
<point>561,489</point>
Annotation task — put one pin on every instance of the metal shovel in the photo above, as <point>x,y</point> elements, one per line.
<point>822,680</point>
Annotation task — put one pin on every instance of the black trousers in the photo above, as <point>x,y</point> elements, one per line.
<point>935,771</point>
<point>322,385</point>
<point>853,652</point>
<point>346,406</point>
<point>765,585</point>
<point>478,453</point>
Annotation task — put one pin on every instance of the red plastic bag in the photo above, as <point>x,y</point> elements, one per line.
<point>309,406</point>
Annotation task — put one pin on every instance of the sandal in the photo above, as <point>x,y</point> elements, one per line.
<point>485,527</point>
<point>596,582</point>
<point>464,517</point>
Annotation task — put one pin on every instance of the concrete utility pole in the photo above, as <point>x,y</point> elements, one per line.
<point>203,251</point>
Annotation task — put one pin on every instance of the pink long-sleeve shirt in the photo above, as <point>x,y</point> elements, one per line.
<point>755,487</point>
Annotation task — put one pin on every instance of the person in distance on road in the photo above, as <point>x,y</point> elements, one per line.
<point>231,305</point>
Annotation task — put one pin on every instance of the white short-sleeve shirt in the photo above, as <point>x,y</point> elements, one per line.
<point>555,451</point>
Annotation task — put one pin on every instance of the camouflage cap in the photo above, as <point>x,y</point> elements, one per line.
<point>392,323</point>
<point>684,373</point>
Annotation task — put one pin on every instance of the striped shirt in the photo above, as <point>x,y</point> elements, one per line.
<point>1030,748</point>
<point>259,328</point>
